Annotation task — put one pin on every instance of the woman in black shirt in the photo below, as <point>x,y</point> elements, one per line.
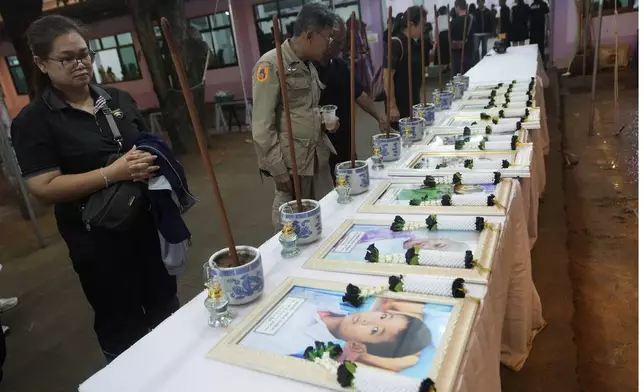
<point>400,105</point>
<point>520,17</point>
<point>62,140</point>
<point>504,16</point>
<point>457,30</point>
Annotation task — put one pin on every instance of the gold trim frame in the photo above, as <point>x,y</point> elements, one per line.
<point>369,206</point>
<point>519,166</point>
<point>484,253</point>
<point>431,136</point>
<point>444,369</point>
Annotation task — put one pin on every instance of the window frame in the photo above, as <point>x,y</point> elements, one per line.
<point>118,52</point>
<point>13,79</point>
<point>609,11</point>
<point>212,29</point>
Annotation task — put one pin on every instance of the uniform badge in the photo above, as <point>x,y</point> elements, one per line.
<point>118,113</point>
<point>262,73</point>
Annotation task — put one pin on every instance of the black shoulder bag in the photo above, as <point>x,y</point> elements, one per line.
<point>117,206</point>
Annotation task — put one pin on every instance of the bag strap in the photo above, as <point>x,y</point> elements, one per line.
<point>116,134</point>
<point>402,53</point>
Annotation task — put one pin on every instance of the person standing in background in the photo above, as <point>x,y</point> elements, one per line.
<point>504,18</point>
<point>335,75</point>
<point>483,29</point>
<point>494,12</point>
<point>458,40</point>
<point>538,12</point>
<point>520,18</point>
<point>400,105</point>
<point>443,38</point>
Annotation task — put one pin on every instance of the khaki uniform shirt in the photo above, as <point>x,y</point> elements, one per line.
<point>269,125</point>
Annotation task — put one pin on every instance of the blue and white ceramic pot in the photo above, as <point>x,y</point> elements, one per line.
<point>357,177</point>
<point>389,146</point>
<point>307,224</point>
<point>242,284</point>
<point>426,112</point>
<point>415,125</point>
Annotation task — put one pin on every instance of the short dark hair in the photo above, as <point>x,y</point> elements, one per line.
<point>462,4</point>
<point>313,17</point>
<point>411,341</point>
<point>442,10</point>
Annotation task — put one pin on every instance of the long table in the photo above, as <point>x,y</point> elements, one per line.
<point>173,356</point>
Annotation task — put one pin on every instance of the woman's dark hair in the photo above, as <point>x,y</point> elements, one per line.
<point>462,4</point>
<point>400,22</point>
<point>410,341</point>
<point>442,10</point>
<point>41,35</point>
<point>472,9</point>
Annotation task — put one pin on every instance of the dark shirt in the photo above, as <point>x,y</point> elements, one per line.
<point>538,12</point>
<point>49,134</point>
<point>457,29</point>
<point>520,17</point>
<point>336,76</point>
<point>505,19</point>
<point>484,22</point>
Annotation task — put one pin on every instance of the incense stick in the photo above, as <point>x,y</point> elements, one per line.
<point>196,124</point>
<point>422,58</point>
<point>287,112</point>
<point>353,89</point>
<point>411,102</point>
<point>438,49</point>
<point>389,93</point>
<point>467,13</point>
<point>449,39</point>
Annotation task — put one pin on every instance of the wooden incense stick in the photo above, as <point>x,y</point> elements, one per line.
<point>616,70</point>
<point>199,133</point>
<point>389,93</point>
<point>352,83</point>
<point>449,43</point>
<point>438,49</point>
<point>422,58</point>
<point>467,13</point>
<point>367,54</point>
<point>287,112</point>
<point>411,103</point>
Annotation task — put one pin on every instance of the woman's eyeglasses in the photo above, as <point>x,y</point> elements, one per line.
<point>71,62</point>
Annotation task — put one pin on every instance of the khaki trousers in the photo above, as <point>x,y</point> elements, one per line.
<point>312,187</point>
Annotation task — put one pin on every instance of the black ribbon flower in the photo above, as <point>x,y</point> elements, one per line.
<point>518,126</point>
<point>457,178</point>
<point>527,112</point>
<point>469,163</point>
<point>497,177</point>
<point>411,256</point>
<point>491,103</point>
<point>480,223</point>
<point>513,142</point>
<point>430,182</point>
<point>505,164</point>
<point>398,224</point>
<point>432,223</point>
<point>427,386</point>
<point>488,130</point>
<point>395,283</point>
<point>493,93</point>
<point>346,374</point>
<point>488,106</point>
<point>491,200</point>
<point>373,254</point>
<point>469,259</point>
<point>458,144</point>
<point>352,296</point>
<point>458,288</point>
<point>502,113</point>
<point>485,116</point>
<point>482,144</point>
<point>504,106</point>
<point>523,119</point>
<point>320,348</point>
<point>446,200</point>
<point>441,165</point>
<point>467,131</point>
<point>414,202</point>
<point>495,120</point>
<point>528,103</point>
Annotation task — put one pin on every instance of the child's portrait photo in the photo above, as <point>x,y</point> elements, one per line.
<point>390,334</point>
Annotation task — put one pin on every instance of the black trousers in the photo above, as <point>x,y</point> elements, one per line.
<point>540,40</point>
<point>124,280</point>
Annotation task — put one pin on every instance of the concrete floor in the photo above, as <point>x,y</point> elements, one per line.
<point>584,263</point>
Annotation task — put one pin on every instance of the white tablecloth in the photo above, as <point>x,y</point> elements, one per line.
<point>173,356</point>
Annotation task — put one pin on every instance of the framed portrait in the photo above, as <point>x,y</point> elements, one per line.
<point>456,121</point>
<point>465,105</point>
<point>434,163</point>
<point>394,197</point>
<point>417,336</point>
<point>346,249</point>
<point>501,141</point>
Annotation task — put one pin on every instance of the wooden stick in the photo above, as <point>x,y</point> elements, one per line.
<point>389,76</point>
<point>467,12</point>
<point>199,133</point>
<point>287,112</point>
<point>422,58</point>
<point>449,39</point>
<point>616,70</point>
<point>438,49</point>
<point>411,103</point>
<point>367,53</point>
<point>353,89</point>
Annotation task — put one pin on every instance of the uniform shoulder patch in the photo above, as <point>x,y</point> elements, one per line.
<point>262,73</point>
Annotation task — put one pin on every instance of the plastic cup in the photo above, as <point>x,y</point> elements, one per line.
<point>328,116</point>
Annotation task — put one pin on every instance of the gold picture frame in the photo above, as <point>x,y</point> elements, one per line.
<point>484,253</point>
<point>443,366</point>
<point>371,205</point>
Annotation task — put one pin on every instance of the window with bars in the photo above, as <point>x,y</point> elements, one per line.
<point>17,75</point>
<point>116,59</point>
<point>609,6</point>
<point>287,10</point>
<point>217,32</point>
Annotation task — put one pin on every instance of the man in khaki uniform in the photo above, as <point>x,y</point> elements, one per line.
<point>313,33</point>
